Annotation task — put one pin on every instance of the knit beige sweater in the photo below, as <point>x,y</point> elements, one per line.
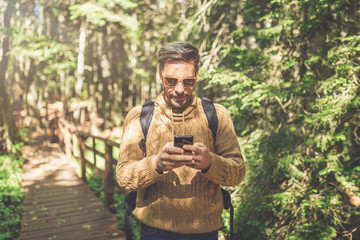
<point>184,200</point>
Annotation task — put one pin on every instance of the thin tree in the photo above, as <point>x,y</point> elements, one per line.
<point>10,129</point>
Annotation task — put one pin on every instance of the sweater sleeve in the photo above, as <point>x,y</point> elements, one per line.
<point>133,170</point>
<point>228,166</point>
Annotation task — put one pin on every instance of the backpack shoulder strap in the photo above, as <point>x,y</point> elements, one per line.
<point>211,115</point>
<point>213,121</point>
<point>228,205</point>
<point>129,206</point>
<point>146,115</point>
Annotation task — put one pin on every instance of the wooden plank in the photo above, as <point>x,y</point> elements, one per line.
<point>81,198</point>
<point>99,229</point>
<point>54,191</point>
<point>52,222</point>
<point>60,211</point>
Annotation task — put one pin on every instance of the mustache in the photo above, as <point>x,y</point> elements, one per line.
<point>179,95</point>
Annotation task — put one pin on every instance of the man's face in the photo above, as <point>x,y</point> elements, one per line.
<point>178,96</point>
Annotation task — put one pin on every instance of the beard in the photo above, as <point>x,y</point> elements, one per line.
<point>178,102</point>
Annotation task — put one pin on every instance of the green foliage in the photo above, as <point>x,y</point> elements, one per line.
<point>100,13</point>
<point>295,105</point>
<point>49,57</point>
<point>11,195</point>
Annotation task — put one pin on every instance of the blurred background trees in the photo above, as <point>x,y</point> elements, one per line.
<point>296,107</point>
<point>288,71</point>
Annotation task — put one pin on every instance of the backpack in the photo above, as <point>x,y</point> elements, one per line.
<point>146,115</point>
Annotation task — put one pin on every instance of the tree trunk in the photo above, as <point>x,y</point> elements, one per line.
<point>134,87</point>
<point>124,73</point>
<point>104,55</point>
<point>119,76</point>
<point>10,128</point>
<point>303,44</point>
<point>92,82</point>
<point>80,68</point>
<point>64,89</point>
<point>81,59</point>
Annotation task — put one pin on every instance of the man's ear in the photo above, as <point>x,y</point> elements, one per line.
<point>160,79</point>
<point>160,76</point>
<point>196,75</point>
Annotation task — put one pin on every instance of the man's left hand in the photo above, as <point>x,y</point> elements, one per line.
<point>202,158</point>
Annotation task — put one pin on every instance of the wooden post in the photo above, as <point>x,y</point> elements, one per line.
<point>68,144</point>
<point>60,132</point>
<point>109,179</point>
<point>94,145</point>
<point>75,143</point>
<point>82,157</point>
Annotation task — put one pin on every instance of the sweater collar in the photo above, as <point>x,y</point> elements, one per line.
<point>167,109</point>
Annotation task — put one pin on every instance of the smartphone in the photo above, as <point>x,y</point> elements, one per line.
<point>179,141</point>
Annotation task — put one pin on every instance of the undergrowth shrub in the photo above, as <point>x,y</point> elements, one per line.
<point>11,194</point>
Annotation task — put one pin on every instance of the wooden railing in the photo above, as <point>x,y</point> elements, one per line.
<point>74,145</point>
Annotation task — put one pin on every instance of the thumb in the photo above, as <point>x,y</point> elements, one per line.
<point>199,144</point>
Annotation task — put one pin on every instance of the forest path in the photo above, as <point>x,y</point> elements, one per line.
<point>57,203</point>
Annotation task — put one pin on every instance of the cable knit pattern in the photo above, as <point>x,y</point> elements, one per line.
<point>184,200</point>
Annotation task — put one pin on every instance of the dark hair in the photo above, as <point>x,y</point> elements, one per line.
<point>178,52</point>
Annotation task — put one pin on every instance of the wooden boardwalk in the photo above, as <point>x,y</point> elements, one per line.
<point>57,204</point>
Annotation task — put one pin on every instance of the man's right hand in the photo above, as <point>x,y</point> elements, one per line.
<point>171,157</point>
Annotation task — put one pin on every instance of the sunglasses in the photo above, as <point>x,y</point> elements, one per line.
<point>173,81</point>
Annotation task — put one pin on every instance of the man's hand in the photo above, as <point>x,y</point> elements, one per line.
<point>202,158</point>
<point>171,157</point>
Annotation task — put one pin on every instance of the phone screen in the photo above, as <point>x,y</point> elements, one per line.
<point>179,141</point>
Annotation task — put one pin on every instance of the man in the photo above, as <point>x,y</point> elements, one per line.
<point>178,194</point>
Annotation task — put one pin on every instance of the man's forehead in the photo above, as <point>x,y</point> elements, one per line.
<point>171,64</point>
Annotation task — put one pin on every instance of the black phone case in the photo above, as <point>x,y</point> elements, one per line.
<point>179,141</point>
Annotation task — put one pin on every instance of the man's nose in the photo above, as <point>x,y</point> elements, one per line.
<point>179,89</point>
